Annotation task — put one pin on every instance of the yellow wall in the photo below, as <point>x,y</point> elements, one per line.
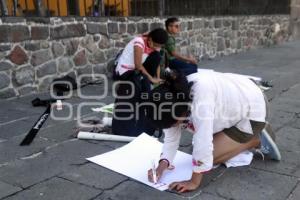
<point>63,6</point>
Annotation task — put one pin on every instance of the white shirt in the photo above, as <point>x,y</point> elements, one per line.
<point>126,60</point>
<point>220,101</point>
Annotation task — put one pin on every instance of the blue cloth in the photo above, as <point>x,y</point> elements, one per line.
<point>183,67</point>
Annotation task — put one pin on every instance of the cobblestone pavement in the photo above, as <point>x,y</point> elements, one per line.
<point>54,165</point>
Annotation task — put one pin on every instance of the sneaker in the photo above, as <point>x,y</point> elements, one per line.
<point>267,144</point>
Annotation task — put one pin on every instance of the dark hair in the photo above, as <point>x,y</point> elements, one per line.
<point>158,35</point>
<point>175,84</point>
<point>170,21</point>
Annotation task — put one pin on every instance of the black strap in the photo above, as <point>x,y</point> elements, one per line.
<point>37,126</point>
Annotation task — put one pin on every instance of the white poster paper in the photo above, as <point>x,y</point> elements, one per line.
<point>135,159</point>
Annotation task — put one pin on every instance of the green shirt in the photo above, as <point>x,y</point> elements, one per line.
<point>170,47</point>
<point>166,51</point>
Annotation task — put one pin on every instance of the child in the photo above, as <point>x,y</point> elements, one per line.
<point>174,60</point>
<point>138,64</point>
<point>227,115</point>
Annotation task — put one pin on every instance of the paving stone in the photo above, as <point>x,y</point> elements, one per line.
<point>186,138</point>
<point>288,139</point>
<point>244,183</point>
<point>59,189</point>
<point>279,118</point>
<point>286,104</point>
<point>11,150</point>
<point>134,190</point>
<point>52,162</point>
<point>95,176</point>
<point>296,123</point>
<point>206,196</point>
<point>296,193</point>
<point>288,165</point>
<point>6,189</point>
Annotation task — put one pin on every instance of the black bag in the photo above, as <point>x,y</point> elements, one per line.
<point>64,84</point>
<point>116,60</point>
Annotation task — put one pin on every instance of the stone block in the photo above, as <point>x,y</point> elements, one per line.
<point>16,33</point>
<point>27,90</point>
<point>71,46</point>
<point>97,57</point>
<point>7,93</point>
<point>39,32</point>
<point>64,65</point>
<point>40,57</point>
<point>89,43</point>
<point>5,47</point>
<point>44,84</point>
<point>67,31</point>
<point>131,28</point>
<point>24,75</point>
<point>57,49</point>
<point>47,69</point>
<point>142,27</point>
<point>218,23</point>
<point>5,66</point>
<point>112,27</point>
<point>122,28</point>
<point>221,44</point>
<point>93,28</point>
<point>32,46</point>
<point>18,56</point>
<point>235,25</point>
<point>80,58</point>
<point>104,42</point>
<point>4,80</point>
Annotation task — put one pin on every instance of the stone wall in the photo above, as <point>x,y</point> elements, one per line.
<point>295,18</point>
<point>34,51</point>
